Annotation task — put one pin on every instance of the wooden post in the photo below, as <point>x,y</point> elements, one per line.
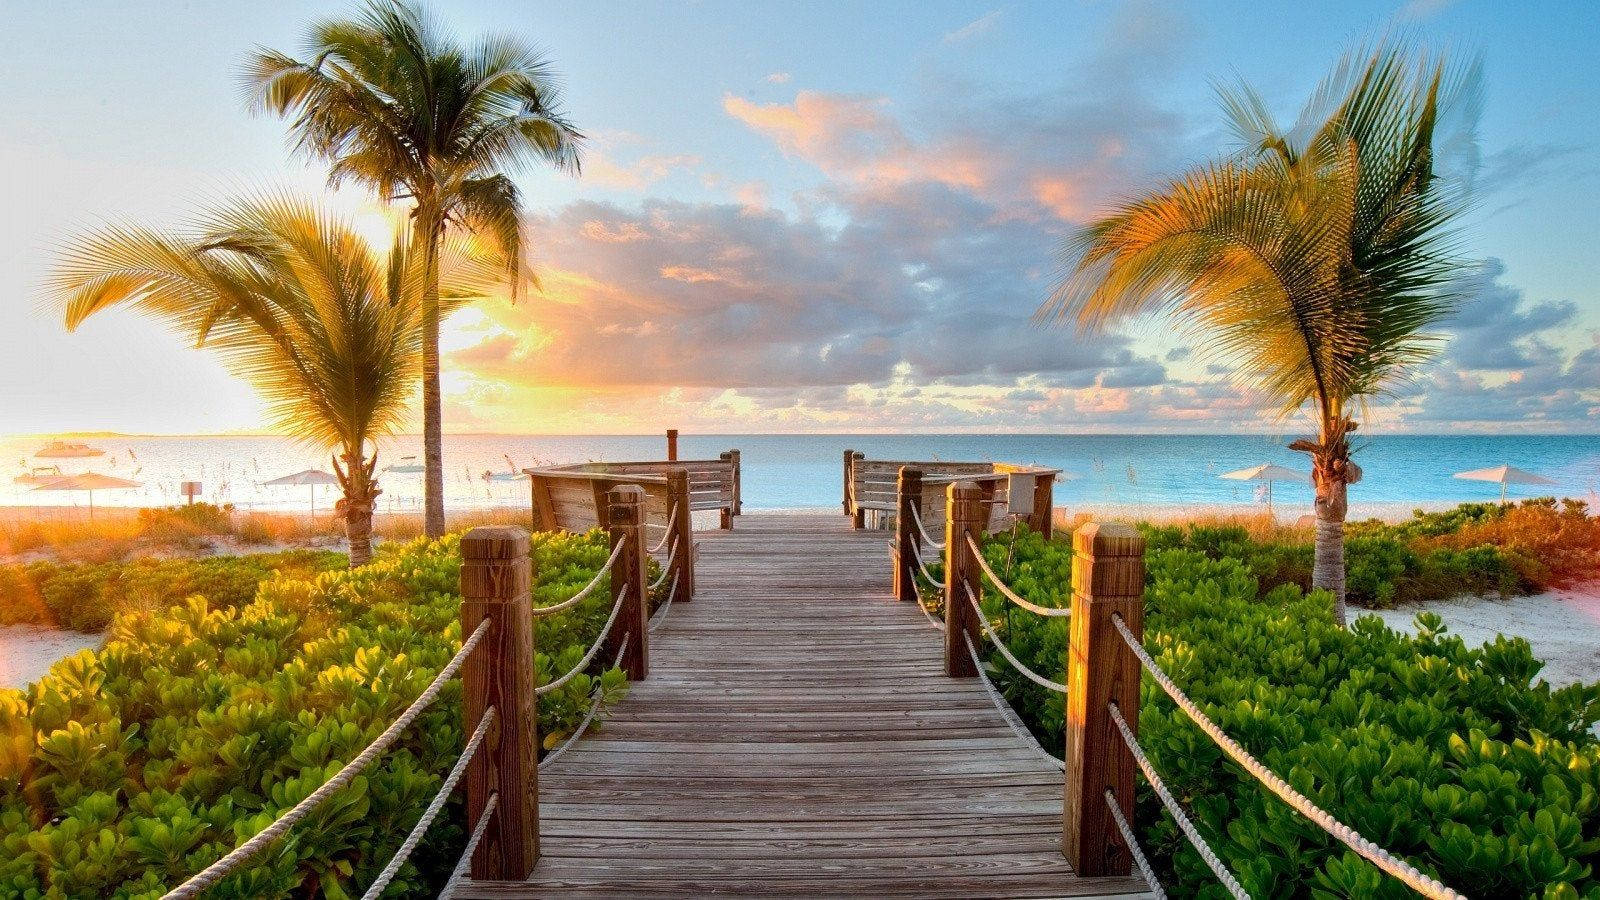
<point>965,513</point>
<point>1043,498</point>
<point>849,455</point>
<point>672,445</point>
<point>726,521</point>
<point>908,539</point>
<point>683,531</point>
<point>625,521</point>
<point>738,489</point>
<point>850,486</point>
<point>1107,580</point>
<point>495,577</point>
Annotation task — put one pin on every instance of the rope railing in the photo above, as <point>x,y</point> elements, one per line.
<point>1207,855</point>
<point>580,596</point>
<point>666,567</point>
<point>433,810</point>
<point>1007,592</point>
<point>916,516</point>
<point>661,614</point>
<point>1128,838</point>
<point>672,518</point>
<point>1005,710</point>
<point>594,648</point>
<point>476,838</point>
<point>922,569</point>
<point>594,707</point>
<point>1383,859</point>
<point>346,774</point>
<point>1005,651</point>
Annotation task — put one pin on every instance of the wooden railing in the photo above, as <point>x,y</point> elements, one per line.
<point>1107,581</point>
<point>496,578</point>
<point>572,497</point>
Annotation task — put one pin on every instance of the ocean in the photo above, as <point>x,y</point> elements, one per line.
<point>800,471</point>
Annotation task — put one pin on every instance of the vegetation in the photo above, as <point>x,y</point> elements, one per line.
<point>88,596</point>
<point>398,105</point>
<point>327,329</point>
<point>125,771</point>
<point>1453,756</point>
<point>1314,261</point>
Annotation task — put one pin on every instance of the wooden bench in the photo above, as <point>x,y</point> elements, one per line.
<point>871,490</point>
<point>573,496</point>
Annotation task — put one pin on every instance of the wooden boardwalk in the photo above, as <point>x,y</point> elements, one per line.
<point>797,736</point>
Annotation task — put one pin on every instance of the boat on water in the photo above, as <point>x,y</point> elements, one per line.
<point>39,475</point>
<point>408,466</point>
<point>68,450</point>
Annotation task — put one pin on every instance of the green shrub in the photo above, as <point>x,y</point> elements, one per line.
<point>1452,756</point>
<point>125,771</point>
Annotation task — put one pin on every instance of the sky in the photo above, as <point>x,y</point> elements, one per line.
<point>806,217</point>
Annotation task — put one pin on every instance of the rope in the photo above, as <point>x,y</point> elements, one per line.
<point>346,774</point>
<point>472,845</point>
<point>672,518</point>
<point>594,648</point>
<point>661,614</point>
<point>1133,847</point>
<point>1383,859</point>
<point>931,620</point>
<point>916,557</point>
<point>666,567</point>
<point>432,812</point>
<point>1007,592</point>
<point>916,516</point>
<point>594,707</point>
<point>1005,710</point>
<point>1178,815</point>
<point>575,599</point>
<point>1005,651</point>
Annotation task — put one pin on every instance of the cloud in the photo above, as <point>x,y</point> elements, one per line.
<point>1061,153</point>
<point>779,78</point>
<point>981,25</point>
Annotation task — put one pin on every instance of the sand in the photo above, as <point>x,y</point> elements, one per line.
<point>1563,627</point>
<point>28,651</point>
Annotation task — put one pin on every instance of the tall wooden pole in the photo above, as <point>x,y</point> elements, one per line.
<point>1107,581</point>
<point>625,522</point>
<point>683,533</point>
<point>672,445</point>
<point>965,515</point>
<point>495,577</point>
<point>1043,504</point>
<point>908,539</point>
<point>849,456</point>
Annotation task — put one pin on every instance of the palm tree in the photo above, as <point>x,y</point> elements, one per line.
<point>396,104</point>
<point>328,330</point>
<point>1315,261</point>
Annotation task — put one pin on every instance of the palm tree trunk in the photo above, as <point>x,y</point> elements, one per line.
<point>1327,570</point>
<point>360,498</point>
<point>430,231</point>
<point>1332,473</point>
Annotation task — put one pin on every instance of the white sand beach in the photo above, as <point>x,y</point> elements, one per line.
<point>1562,625</point>
<point>28,651</point>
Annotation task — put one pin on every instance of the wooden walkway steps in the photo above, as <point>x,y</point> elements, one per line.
<point>797,736</point>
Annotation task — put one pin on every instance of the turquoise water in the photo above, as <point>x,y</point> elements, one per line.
<point>788,471</point>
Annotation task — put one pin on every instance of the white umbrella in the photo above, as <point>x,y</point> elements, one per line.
<point>310,478</point>
<point>88,481</point>
<point>1269,473</point>
<point>1505,475</point>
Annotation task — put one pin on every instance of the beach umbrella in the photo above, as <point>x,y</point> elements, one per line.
<point>310,477</point>
<point>1268,473</point>
<point>89,482</point>
<point>1505,475</point>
